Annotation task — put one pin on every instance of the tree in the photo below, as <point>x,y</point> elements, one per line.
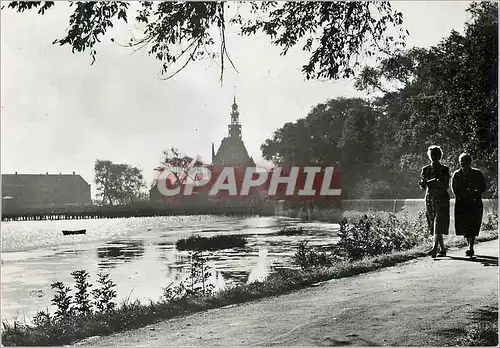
<point>340,132</point>
<point>104,179</point>
<point>174,160</point>
<point>118,183</point>
<point>446,94</point>
<point>337,34</point>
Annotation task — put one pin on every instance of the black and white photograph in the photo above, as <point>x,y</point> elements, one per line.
<point>249,173</point>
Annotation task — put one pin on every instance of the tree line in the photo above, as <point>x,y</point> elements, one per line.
<point>445,94</point>
<point>124,184</point>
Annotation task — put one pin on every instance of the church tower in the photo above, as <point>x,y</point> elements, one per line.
<point>232,151</point>
<point>235,126</point>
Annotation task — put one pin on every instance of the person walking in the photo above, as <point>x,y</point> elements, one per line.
<point>468,185</point>
<point>435,179</point>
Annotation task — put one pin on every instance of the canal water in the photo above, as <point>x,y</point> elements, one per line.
<point>139,254</point>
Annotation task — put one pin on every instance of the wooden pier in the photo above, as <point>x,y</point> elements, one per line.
<point>125,211</point>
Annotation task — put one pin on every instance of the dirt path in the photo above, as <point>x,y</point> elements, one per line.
<point>417,303</point>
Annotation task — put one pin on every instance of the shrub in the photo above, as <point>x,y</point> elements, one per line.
<point>62,299</point>
<point>368,235</point>
<point>218,242</point>
<point>82,301</point>
<point>490,222</point>
<point>74,316</point>
<point>306,257</point>
<point>104,295</point>
<point>372,235</point>
<point>195,285</point>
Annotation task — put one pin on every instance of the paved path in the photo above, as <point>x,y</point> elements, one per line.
<point>416,303</point>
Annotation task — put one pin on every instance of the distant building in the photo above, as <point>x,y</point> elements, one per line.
<point>232,151</point>
<point>25,191</point>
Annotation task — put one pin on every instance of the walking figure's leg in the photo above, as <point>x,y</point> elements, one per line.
<point>431,222</point>
<point>441,245</point>
<point>470,243</point>
<point>436,237</point>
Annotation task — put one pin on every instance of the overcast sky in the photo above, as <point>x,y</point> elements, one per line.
<point>59,114</point>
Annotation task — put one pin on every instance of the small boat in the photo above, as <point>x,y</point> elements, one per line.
<point>73,232</point>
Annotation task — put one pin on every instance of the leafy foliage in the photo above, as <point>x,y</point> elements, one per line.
<point>196,284</point>
<point>490,222</point>
<point>445,94</point>
<point>367,236</point>
<point>82,301</point>
<point>104,295</point>
<point>62,299</point>
<point>374,235</point>
<point>176,33</point>
<point>179,165</point>
<point>340,132</point>
<point>199,275</point>
<point>306,257</point>
<point>118,183</point>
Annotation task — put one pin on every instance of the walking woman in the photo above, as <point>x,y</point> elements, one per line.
<point>435,177</point>
<point>468,184</point>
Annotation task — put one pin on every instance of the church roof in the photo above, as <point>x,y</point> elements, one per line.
<point>232,152</point>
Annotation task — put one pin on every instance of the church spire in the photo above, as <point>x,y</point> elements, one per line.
<point>235,126</point>
<point>213,152</point>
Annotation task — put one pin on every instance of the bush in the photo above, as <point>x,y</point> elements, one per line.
<point>306,257</point>
<point>490,222</point>
<point>195,285</point>
<point>105,294</point>
<point>372,235</point>
<point>72,317</point>
<point>211,243</point>
<point>82,301</point>
<point>369,235</point>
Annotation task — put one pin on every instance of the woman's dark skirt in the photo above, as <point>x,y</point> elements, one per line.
<point>438,215</point>
<point>468,217</point>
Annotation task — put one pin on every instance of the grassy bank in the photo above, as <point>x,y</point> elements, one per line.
<point>365,245</point>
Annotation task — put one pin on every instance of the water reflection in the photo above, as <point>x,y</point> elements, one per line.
<point>165,252</point>
<point>235,277</point>
<point>219,281</point>
<point>116,252</point>
<point>261,270</point>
